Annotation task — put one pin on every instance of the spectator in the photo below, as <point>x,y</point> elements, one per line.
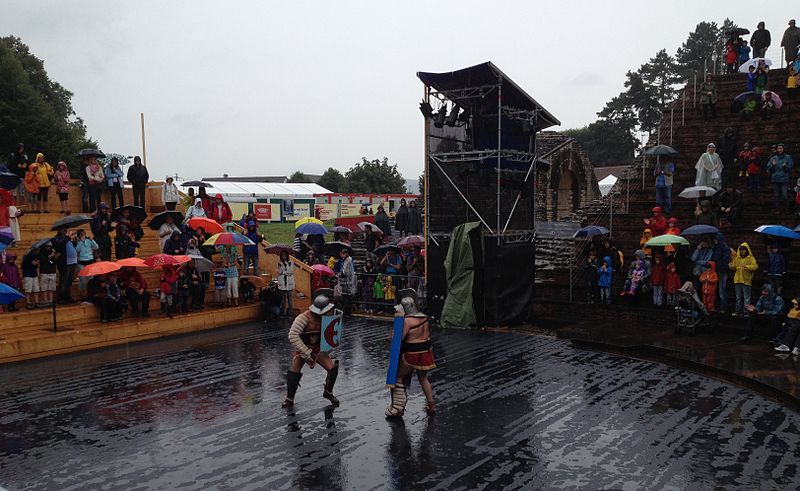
<point>605,280</point>
<point>664,173</point>
<point>95,178</point>
<point>169,194</point>
<point>300,247</point>
<point>672,227</point>
<point>414,219</point>
<point>115,182</point>
<point>166,230</point>
<point>311,259</point>
<point>32,187</point>
<point>779,168</point>
<point>101,229</point>
<point>347,281</point>
<point>195,211</point>
<point>112,310</point>
<point>658,278</point>
<point>749,158</point>
<point>751,79</point>
<point>192,249</point>
<point>9,275</point>
<point>198,285</point>
<point>392,263</point>
<point>416,269</point>
<point>382,222</point>
<point>762,79</point>
<point>744,53</point>
<point>760,41</point>
<point>767,107</point>
<point>18,164</point>
<point>48,265</point>
<point>12,213</point>
<point>169,276</point>
<point>389,290</point>
<point>174,245</point>
<point>776,267</point>
<point>657,223</point>
<point>647,234</point>
<point>401,218</point>
<point>62,179</point>
<point>790,341</point>
<point>30,280</point>
<point>748,108</point>
<point>138,177</point>
<point>672,283</point>
<point>635,278</point>
<point>709,281</point>
<point>86,249</point>
<point>206,251</point>
<point>67,263</point>
<point>727,148</point>
<point>709,168</point>
<point>206,200</point>
<point>122,246</point>
<point>372,241</point>
<point>721,256</point>
<point>377,291</point>
<point>97,289</point>
<point>700,257</point>
<point>730,202</point>
<point>247,220</point>
<point>746,156</point>
<point>271,301</point>
<point>134,289</point>
<point>744,266</point>
<point>708,97</point>
<point>790,42</point>
<point>229,265</point>
<point>221,211</point>
<point>43,177</point>
<point>286,282</point>
<point>644,284</point>
<point>731,56</point>
<point>251,251</point>
<point>317,243</point>
<point>704,215</point>
<point>769,308</point>
<point>188,200</point>
<point>220,282</point>
<point>183,286</point>
<point>367,279</point>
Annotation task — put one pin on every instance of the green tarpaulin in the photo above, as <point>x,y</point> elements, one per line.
<point>459,310</point>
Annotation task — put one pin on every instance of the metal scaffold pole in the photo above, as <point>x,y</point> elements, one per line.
<point>499,148</point>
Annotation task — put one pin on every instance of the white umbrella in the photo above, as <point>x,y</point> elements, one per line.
<point>753,62</point>
<point>697,192</point>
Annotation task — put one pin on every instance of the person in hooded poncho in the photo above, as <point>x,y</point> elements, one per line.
<point>791,341</point>
<point>744,266</point>
<point>709,280</point>
<point>709,168</point>
<point>768,309</point>
<point>605,279</point>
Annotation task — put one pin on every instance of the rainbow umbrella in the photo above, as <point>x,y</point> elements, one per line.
<point>100,267</point>
<point>228,238</point>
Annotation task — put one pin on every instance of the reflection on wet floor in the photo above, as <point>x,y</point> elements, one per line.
<point>203,411</point>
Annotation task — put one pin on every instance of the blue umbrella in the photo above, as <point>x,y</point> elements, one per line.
<point>9,181</point>
<point>589,231</point>
<point>700,230</point>
<point>312,229</point>
<point>6,236</point>
<point>9,295</point>
<point>778,231</point>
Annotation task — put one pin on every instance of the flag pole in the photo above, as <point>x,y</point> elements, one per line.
<point>144,147</point>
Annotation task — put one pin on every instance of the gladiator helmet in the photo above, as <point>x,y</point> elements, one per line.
<point>322,301</point>
<point>409,302</point>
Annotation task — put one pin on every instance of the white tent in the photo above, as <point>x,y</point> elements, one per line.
<point>607,183</point>
<point>247,192</point>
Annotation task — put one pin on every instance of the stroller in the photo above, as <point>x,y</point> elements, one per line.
<point>691,313</point>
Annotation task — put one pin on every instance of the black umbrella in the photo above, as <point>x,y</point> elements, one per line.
<point>71,221</point>
<point>39,244</point>
<point>278,248</point>
<point>196,184</point>
<point>382,250</point>
<point>661,150</point>
<point>9,181</point>
<point>334,248</point>
<point>741,31</point>
<point>160,218</point>
<point>137,213</point>
<point>91,152</point>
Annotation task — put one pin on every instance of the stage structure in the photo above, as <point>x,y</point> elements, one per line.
<point>480,146</point>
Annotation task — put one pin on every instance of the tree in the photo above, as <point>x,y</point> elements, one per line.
<point>421,184</point>
<point>606,142</point>
<point>298,177</point>
<point>698,52</point>
<point>332,180</point>
<point>374,177</point>
<point>36,110</point>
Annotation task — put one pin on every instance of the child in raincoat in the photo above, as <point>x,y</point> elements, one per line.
<point>744,266</point>
<point>658,278</point>
<point>672,227</point>
<point>604,280</point>
<point>672,283</point>
<point>647,234</point>
<point>709,280</point>
<point>32,186</point>
<point>389,290</point>
<point>632,284</point>
<point>791,80</point>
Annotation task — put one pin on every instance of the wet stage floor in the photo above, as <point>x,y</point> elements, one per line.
<point>203,412</point>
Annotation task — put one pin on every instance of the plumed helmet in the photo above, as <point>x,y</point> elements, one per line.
<point>322,301</point>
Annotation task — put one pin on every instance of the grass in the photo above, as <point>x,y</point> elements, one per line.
<point>283,233</point>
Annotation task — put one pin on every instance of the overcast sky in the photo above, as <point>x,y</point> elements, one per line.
<point>258,87</point>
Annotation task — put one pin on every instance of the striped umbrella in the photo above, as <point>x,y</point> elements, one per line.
<point>228,238</point>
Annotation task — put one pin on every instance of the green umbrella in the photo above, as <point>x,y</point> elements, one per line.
<point>666,239</point>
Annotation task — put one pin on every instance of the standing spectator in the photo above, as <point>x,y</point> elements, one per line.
<point>747,159</point>
<point>664,172</point>
<point>48,265</point>
<point>220,282</point>
<point>709,168</point>
<point>84,177</point>
<point>32,187</point>
<point>776,267</point>
<point>9,275</point>
<point>115,181</point>
<point>672,283</point>
<point>744,266</point>
<point>18,164</point>
<point>658,278</point>
<point>286,282</point>
<point>251,251</point>
<point>372,241</point>
<point>657,222</point>
<point>730,203</point>
<point>751,79</point>
<point>779,168</point>
<point>101,230</point>
<point>382,222</point>
<point>731,56</point>
<point>62,179</point>
<point>169,193</point>
<point>134,288</point>
<point>206,200</point>
<point>700,257</point>
<point>86,249</point>
<point>790,42</point>
<point>760,41</point>
<point>220,211</point>
<point>30,280</point>
<point>311,259</point>
<point>122,243</point>
<point>229,260</point>
<point>12,214</point>
<point>67,263</point>
<point>367,279</point>
<point>44,174</point>
<point>708,97</point>
<point>605,280</point>
<point>727,148</point>
<point>166,230</point>
<point>300,247</point>
<point>183,288</point>
<point>138,177</point>
<point>95,180</point>
<point>744,53</point>
<point>414,219</point>
<point>709,280</point>
<point>347,281</point>
<point>721,256</point>
<point>195,211</point>
<point>672,227</point>
<point>169,276</point>
<point>416,268</point>
<point>401,218</point>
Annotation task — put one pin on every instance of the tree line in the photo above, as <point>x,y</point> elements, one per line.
<point>376,176</point>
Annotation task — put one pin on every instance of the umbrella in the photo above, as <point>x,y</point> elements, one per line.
<point>658,150</point>
<point>589,231</point>
<point>778,231</point>
<point>91,152</point>
<point>418,240</point>
<point>137,213</point>
<point>305,220</point>
<point>741,98</point>
<point>9,180</point>
<point>160,218</point>
<point>341,230</point>
<point>132,262</point>
<point>775,98</point>
<point>9,295</point>
<point>207,224</point>
<point>745,67</point>
<point>39,244</point>
<point>71,221</point>
<point>228,238</point>
<point>382,250</point>
<point>3,247</point>
<point>741,31</point>
<point>202,264</point>
<point>123,160</point>
<point>311,229</point>
<point>278,248</point>
<point>334,248</point>
<point>697,192</point>
<point>700,230</point>
<point>159,260</point>
<point>666,239</point>
<point>322,269</point>
<point>258,281</point>
<point>363,226</point>
<point>6,236</point>
<point>196,184</point>
<point>100,267</point>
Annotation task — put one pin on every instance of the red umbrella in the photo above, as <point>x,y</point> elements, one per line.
<point>323,270</point>
<point>160,260</point>
<point>133,262</point>
<point>207,224</point>
<point>411,241</point>
<point>100,267</point>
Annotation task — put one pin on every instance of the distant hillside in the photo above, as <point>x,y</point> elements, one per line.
<point>412,186</point>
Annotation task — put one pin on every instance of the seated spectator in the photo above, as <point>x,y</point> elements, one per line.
<point>134,290</point>
<point>657,223</point>
<point>751,79</point>
<point>704,214</point>
<point>632,284</point>
<point>166,230</point>
<point>644,282</point>
<point>767,107</point>
<point>271,301</point>
<point>730,202</point>
<point>247,291</point>
<point>791,341</point>
<point>748,108</point>
<point>745,157</point>
<point>106,296</point>
<point>174,245</point>
<point>768,309</point>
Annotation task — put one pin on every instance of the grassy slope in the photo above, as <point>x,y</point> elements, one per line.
<point>283,233</point>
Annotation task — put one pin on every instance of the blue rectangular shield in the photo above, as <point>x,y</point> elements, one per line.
<point>331,331</point>
<point>394,351</point>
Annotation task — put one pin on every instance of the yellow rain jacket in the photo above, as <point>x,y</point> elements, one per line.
<point>44,173</point>
<point>744,267</point>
